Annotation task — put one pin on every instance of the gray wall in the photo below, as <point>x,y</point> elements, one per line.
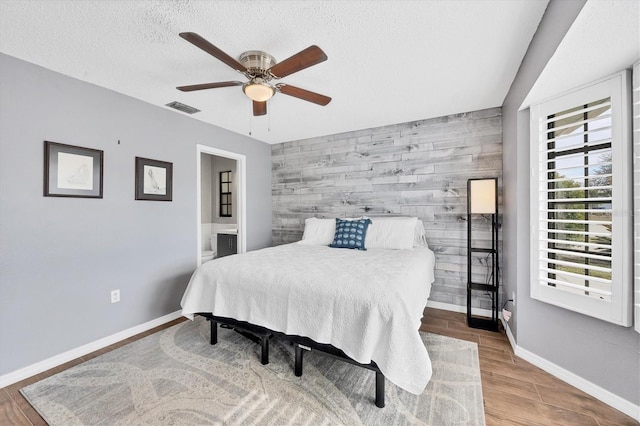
<point>636,192</point>
<point>61,257</point>
<point>602,353</point>
<point>207,185</point>
<point>412,169</point>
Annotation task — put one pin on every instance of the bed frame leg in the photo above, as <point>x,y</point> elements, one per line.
<point>264,343</point>
<point>214,333</point>
<point>298,361</point>
<point>379,389</point>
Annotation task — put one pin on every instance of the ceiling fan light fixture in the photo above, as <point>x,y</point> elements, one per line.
<point>257,90</point>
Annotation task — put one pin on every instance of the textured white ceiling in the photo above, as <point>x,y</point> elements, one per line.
<point>389,61</point>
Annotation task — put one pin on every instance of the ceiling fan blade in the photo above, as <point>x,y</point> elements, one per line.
<point>203,44</point>
<point>312,55</point>
<point>303,94</point>
<point>209,86</point>
<point>259,108</point>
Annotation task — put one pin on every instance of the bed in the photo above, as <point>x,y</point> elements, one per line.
<point>366,305</point>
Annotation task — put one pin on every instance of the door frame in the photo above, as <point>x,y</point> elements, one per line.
<point>241,172</point>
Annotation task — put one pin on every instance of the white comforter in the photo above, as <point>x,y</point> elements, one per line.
<point>368,303</point>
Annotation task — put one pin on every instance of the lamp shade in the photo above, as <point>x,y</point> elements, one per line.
<point>482,193</point>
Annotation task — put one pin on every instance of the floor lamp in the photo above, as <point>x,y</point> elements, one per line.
<point>482,199</point>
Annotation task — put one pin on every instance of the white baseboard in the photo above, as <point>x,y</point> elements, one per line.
<point>512,340</point>
<point>54,361</point>
<point>620,404</point>
<point>457,308</point>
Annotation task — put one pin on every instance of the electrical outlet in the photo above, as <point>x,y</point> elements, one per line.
<point>115,296</point>
<point>513,297</point>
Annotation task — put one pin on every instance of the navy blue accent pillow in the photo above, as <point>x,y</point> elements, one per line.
<point>350,233</point>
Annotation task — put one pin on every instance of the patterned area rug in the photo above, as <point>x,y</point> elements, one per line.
<point>174,377</point>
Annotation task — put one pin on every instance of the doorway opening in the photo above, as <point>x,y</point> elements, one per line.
<point>221,195</point>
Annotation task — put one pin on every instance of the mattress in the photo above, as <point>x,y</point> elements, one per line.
<point>367,303</point>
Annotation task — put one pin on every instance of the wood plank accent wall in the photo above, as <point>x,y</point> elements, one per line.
<point>418,169</point>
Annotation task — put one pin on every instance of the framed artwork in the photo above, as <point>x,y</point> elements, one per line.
<point>154,180</point>
<point>72,171</point>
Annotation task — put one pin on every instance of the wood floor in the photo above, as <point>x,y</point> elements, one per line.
<point>515,392</point>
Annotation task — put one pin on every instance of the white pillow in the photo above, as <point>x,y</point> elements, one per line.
<point>318,232</point>
<point>420,237</point>
<point>397,233</point>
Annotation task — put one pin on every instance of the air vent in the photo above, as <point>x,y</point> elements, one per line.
<point>182,107</point>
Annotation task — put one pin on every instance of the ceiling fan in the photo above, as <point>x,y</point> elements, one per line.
<point>260,68</point>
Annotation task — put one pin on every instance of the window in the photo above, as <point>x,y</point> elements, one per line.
<point>581,201</point>
<point>225,194</point>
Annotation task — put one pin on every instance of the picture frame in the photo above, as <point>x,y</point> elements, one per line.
<point>72,171</point>
<point>154,180</point>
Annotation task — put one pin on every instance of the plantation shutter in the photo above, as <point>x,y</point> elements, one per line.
<point>578,185</point>
<point>577,163</point>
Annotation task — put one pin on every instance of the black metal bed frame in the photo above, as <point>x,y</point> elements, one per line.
<point>262,335</point>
